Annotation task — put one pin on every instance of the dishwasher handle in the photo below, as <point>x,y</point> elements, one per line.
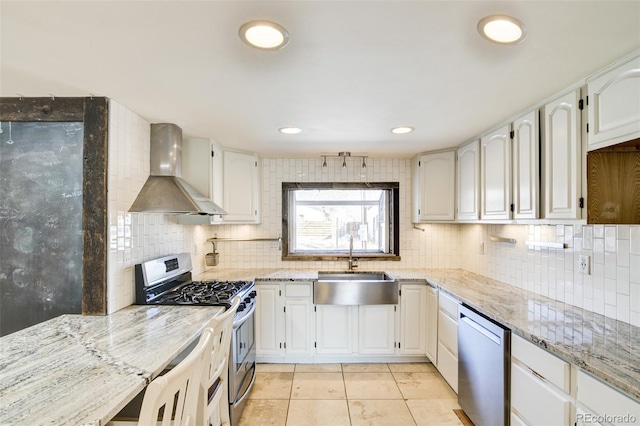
<point>480,329</point>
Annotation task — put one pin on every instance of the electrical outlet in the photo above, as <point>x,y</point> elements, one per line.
<point>584,264</point>
<point>481,248</point>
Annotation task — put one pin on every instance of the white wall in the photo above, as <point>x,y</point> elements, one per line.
<point>436,247</point>
<point>136,237</point>
<point>612,289</point>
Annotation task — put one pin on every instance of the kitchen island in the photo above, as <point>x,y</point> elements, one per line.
<point>606,348</point>
<point>82,370</point>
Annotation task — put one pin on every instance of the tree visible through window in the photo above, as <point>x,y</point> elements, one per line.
<point>321,219</point>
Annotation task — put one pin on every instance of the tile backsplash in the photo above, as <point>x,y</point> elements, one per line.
<point>136,237</point>
<point>436,246</point>
<point>612,288</point>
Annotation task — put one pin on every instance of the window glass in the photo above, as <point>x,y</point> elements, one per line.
<point>323,219</point>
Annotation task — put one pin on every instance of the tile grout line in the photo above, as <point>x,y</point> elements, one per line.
<point>346,396</point>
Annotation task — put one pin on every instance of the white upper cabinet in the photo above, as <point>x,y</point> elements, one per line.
<point>526,166</point>
<point>434,178</point>
<point>468,173</point>
<point>241,187</point>
<point>614,103</point>
<point>562,158</point>
<point>495,172</point>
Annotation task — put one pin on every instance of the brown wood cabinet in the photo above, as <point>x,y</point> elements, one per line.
<point>613,184</point>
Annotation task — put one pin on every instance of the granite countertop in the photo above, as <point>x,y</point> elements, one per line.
<point>83,370</point>
<point>604,347</point>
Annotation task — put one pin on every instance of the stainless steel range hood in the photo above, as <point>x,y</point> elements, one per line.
<point>165,191</point>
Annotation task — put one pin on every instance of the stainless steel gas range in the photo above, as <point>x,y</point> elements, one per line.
<point>167,281</point>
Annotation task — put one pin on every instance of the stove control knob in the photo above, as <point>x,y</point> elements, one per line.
<point>241,307</point>
<point>253,294</point>
<point>247,300</point>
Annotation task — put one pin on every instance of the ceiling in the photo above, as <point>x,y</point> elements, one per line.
<point>351,71</point>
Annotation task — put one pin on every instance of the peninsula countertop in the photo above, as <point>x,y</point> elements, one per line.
<point>606,348</point>
<point>82,370</point>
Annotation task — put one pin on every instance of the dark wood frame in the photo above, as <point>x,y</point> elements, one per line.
<point>94,113</point>
<point>394,219</point>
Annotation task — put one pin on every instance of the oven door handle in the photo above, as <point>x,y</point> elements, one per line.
<point>253,379</point>
<point>245,318</point>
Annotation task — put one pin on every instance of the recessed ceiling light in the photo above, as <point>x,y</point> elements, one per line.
<point>290,130</point>
<point>400,130</point>
<point>502,29</point>
<point>264,35</point>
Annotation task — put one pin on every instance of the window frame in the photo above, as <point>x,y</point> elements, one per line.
<point>393,229</point>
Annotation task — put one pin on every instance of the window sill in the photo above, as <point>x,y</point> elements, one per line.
<point>341,257</point>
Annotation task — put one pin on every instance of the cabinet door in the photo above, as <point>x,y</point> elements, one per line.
<point>437,186</point>
<point>562,152</point>
<point>241,187</point>
<point>526,166</point>
<point>432,324</point>
<point>376,329</point>
<point>268,320</point>
<point>413,319</point>
<point>537,402</point>
<point>495,172</point>
<point>594,396</point>
<point>334,327</point>
<point>469,181</point>
<point>298,327</point>
<point>614,104</point>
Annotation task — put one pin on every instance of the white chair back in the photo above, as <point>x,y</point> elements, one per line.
<point>217,404</point>
<point>175,396</point>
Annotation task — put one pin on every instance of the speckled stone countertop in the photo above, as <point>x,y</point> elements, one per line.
<point>82,370</point>
<point>604,347</point>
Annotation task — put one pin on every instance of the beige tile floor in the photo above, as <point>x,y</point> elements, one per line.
<point>350,394</point>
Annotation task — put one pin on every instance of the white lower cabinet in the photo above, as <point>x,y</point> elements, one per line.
<point>413,319</point>
<point>376,329</point>
<point>598,403</point>
<point>269,320</point>
<point>334,329</point>
<point>447,363</point>
<point>284,320</point>
<point>432,324</point>
<point>540,386</point>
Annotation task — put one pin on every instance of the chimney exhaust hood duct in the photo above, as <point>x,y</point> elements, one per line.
<point>165,191</point>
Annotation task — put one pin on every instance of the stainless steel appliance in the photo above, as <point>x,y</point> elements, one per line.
<point>484,358</point>
<point>167,281</point>
<point>165,191</point>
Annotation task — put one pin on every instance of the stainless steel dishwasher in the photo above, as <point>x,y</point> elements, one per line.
<point>484,357</point>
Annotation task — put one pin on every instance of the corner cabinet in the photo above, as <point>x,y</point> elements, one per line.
<point>614,103</point>
<point>241,187</point>
<point>562,158</point>
<point>447,363</point>
<point>434,189</point>
<point>468,178</point>
<point>413,319</point>
<point>432,324</point>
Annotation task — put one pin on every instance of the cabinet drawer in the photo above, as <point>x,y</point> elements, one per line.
<point>448,332</point>
<point>602,399</point>
<point>448,304</point>
<point>529,395</point>
<point>448,366</point>
<point>552,368</point>
<point>297,290</point>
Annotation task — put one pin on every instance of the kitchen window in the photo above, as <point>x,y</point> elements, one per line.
<point>320,219</point>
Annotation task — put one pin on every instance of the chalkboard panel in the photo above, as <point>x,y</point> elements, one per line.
<point>41,208</point>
